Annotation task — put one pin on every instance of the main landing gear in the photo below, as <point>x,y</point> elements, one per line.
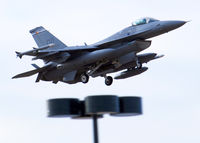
<point>85,78</point>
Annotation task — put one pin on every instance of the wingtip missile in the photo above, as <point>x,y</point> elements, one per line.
<point>159,56</point>
<point>19,54</point>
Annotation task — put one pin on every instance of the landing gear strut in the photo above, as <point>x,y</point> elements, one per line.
<point>84,78</point>
<point>108,80</point>
<point>138,64</point>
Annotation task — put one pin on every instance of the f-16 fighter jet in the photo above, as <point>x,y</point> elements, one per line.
<point>119,52</point>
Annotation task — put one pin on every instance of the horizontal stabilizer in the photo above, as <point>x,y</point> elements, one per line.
<point>29,73</point>
<point>32,72</point>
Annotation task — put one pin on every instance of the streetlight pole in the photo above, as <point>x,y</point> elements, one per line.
<point>95,128</point>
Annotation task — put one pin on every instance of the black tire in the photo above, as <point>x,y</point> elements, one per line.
<point>102,104</point>
<point>84,78</point>
<point>108,80</point>
<point>130,106</point>
<point>63,107</point>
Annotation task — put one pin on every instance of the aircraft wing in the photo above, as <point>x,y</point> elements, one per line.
<point>47,51</point>
<point>71,49</point>
<point>136,43</point>
<point>116,39</point>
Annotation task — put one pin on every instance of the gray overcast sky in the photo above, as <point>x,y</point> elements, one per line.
<point>170,88</point>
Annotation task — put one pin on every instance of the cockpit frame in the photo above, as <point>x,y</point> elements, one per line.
<point>144,20</point>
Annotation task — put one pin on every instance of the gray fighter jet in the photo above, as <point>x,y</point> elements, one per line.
<point>73,64</point>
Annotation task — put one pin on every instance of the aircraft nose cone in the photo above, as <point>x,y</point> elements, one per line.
<point>171,25</point>
<point>177,24</point>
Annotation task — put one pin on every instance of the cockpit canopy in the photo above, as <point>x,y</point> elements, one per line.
<point>143,21</point>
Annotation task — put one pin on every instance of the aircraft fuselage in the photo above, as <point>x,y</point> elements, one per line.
<point>131,33</point>
<point>72,64</point>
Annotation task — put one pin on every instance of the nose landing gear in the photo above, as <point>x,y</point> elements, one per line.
<point>108,80</point>
<point>138,64</point>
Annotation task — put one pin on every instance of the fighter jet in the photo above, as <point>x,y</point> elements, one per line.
<point>119,52</point>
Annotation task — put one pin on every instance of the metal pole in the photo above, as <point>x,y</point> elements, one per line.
<point>95,128</point>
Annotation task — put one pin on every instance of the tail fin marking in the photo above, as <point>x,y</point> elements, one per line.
<point>43,37</point>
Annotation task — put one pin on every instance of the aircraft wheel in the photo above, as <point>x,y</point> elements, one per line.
<point>84,78</point>
<point>102,104</point>
<point>108,80</point>
<point>63,107</point>
<point>139,64</point>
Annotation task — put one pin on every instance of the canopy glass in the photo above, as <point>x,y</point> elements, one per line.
<point>143,21</point>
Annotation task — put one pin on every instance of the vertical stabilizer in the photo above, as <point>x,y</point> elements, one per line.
<point>43,37</point>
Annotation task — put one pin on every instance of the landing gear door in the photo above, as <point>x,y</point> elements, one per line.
<point>70,76</point>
